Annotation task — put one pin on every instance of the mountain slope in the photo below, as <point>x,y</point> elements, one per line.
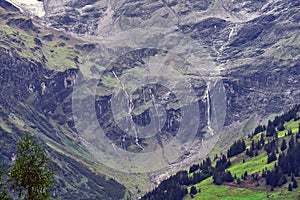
<point>254,160</point>
<point>250,49</point>
<point>35,99</point>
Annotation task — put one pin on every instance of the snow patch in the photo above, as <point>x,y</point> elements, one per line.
<point>33,7</point>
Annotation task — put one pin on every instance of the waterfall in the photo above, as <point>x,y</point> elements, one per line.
<point>209,110</point>
<point>130,104</point>
<point>155,107</point>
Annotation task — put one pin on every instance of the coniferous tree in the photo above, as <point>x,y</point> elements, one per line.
<point>280,127</point>
<point>228,177</point>
<point>283,145</point>
<point>262,140</point>
<point>237,148</point>
<point>270,129</point>
<point>194,168</point>
<point>258,129</point>
<point>31,176</point>
<point>272,157</point>
<point>245,175</point>
<point>193,190</point>
<point>208,161</point>
<point>291,142</point>
<point>295,184</point>
<point>282,180</point>
<point>290,188</point>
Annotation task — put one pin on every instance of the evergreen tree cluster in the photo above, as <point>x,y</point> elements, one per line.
<point>220,177</point>
<point>271,129</point>
<point>171,188</point>
<point>258,129</point>
<point>175,187</point>
<point>205,171</point>
<point>256,146</point>
<point>288,165</point>
<point>271,146</point>
<point>237,148</point>
<point>278,122</point>
<point>167,190</point>
<point>220,174</point>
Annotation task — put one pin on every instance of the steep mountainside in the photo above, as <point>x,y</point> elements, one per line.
<point>237,61</point>
<point>35,99</point>
<point>255,44</point>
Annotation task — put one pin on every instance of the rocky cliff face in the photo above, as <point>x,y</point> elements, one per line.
<point>254,44</point>
<point>253,41</point>
<point>249,49</point>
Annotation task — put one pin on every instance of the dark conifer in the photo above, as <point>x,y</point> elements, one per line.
<point>283,145</point>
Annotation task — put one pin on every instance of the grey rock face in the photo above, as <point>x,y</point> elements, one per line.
<point>255,44</point>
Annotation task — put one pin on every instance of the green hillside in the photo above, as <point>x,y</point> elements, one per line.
<point>255,164</point>
<point>248,189</point>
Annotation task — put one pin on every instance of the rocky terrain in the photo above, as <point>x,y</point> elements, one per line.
<point>243,66</point>
<point>249,40</point>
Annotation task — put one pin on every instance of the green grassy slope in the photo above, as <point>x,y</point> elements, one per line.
<point>249,189</point>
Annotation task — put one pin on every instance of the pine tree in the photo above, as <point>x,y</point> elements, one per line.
<point>272,157</point>
<point>280,127</point>
<point>262,140</point>
<point>193,190</point>
<point>295,184</point>
<point>283,145</point>
<point>245,175</point>
<point>31,176</point>
<point>290,187</point>
<point>270,129</point>
<point>291,142</point>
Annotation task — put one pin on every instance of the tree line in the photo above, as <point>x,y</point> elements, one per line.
<point>278,122</point>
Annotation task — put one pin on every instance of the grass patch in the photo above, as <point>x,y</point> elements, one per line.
<point>210,191</point>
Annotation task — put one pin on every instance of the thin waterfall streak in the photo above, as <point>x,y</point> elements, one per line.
<point>130,106</point>
<point>209,110</point>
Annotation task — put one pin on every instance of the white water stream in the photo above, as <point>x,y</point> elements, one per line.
<point>131,124</point>
<point>209,109</point>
